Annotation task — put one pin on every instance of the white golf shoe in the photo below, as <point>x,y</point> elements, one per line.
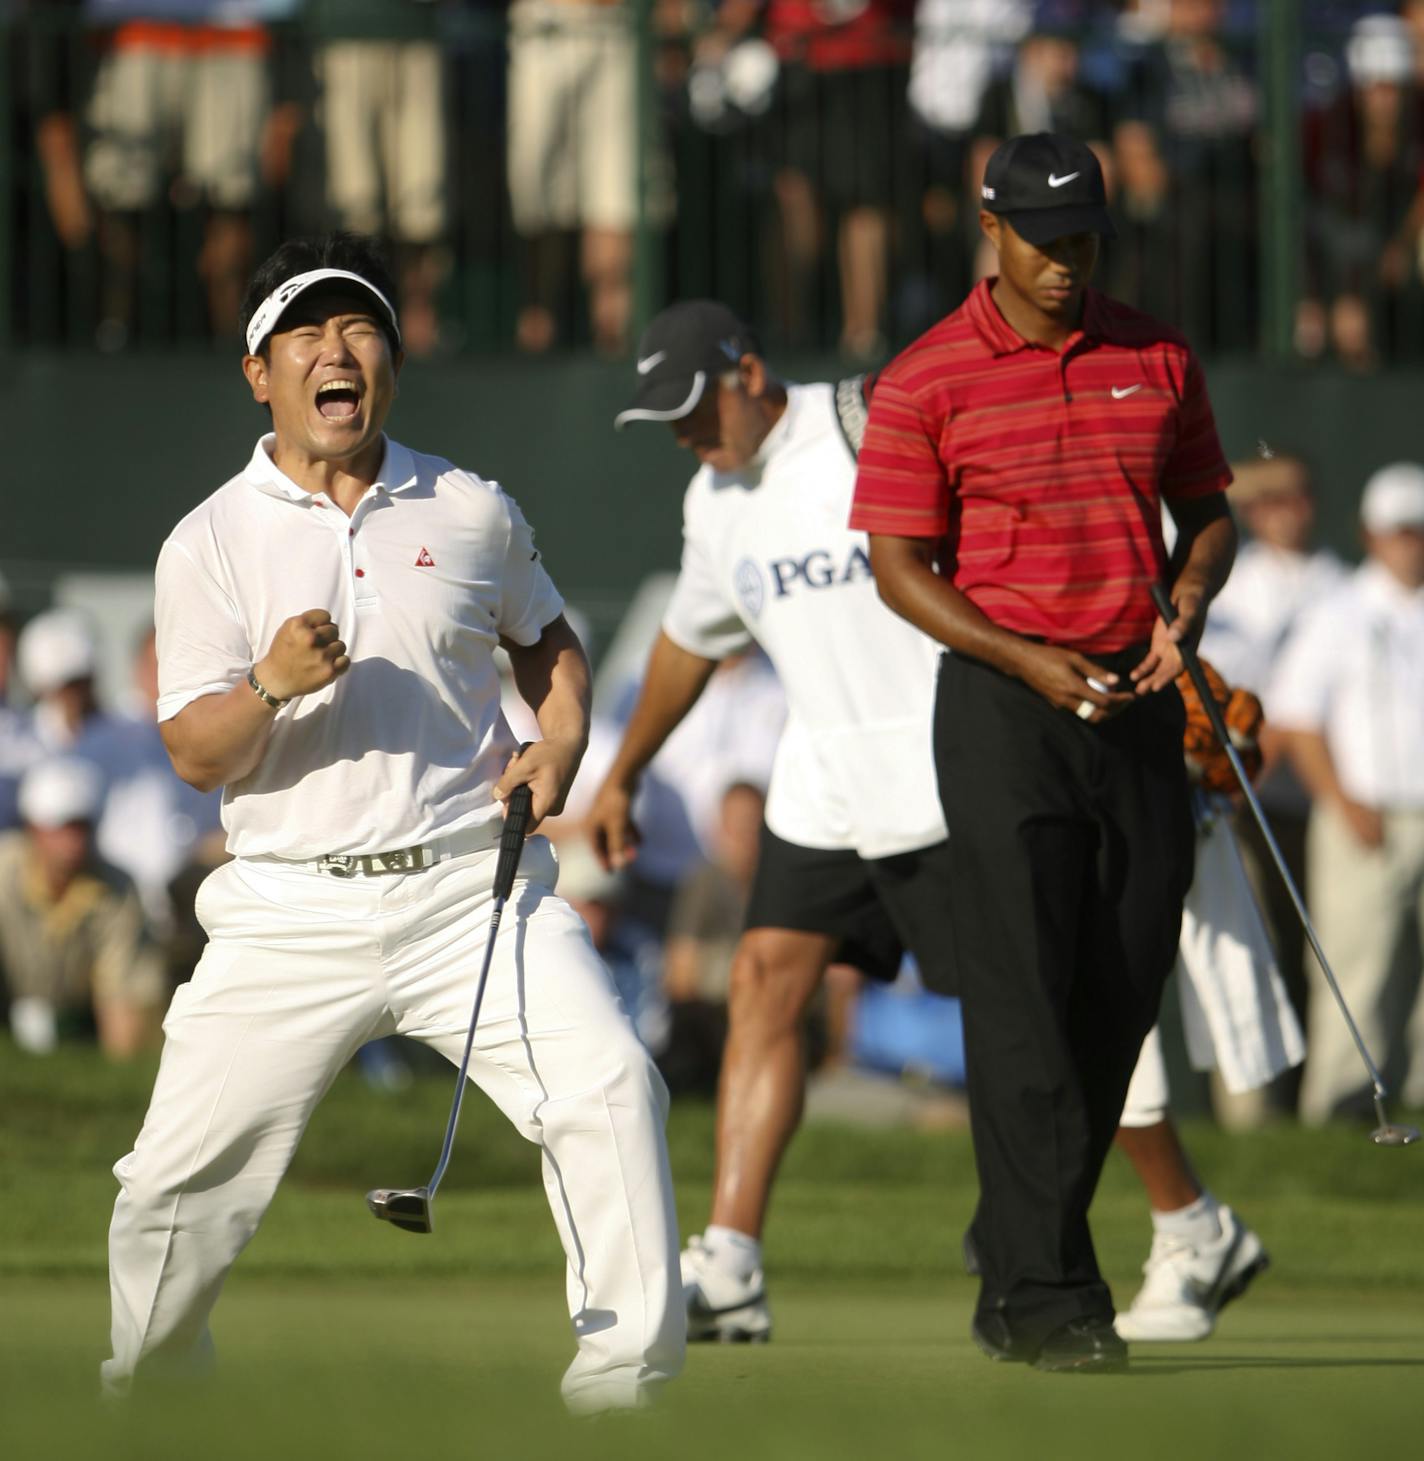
<point>1186,1286</point>
<point>722,1308</point>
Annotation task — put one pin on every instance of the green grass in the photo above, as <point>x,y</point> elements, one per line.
<point>340,1336</point>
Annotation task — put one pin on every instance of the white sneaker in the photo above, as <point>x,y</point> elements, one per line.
<point>1187,1286</point>
<point>721,1307</point>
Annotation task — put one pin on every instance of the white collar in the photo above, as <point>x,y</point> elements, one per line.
<point>397,471</point>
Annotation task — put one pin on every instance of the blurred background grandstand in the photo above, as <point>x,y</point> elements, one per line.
<point>546,174</point>
<point>812,162</point>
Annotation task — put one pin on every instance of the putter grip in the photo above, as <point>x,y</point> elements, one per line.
<point>1168,610</point>
<point>511,840</point>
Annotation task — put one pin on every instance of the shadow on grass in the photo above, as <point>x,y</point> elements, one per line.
<point>1151,1368</point>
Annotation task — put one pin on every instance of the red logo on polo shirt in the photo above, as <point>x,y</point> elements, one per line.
<point>425,560</point>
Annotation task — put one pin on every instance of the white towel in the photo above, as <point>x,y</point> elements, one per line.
<point>1235,1011</point>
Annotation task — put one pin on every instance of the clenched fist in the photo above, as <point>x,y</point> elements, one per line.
<point>306,654</point>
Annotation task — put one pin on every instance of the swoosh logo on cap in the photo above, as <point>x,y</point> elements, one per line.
<point>1057,182</point>
<point>650,362</point>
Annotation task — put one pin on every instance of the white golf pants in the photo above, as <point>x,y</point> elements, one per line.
<point>303,968</point>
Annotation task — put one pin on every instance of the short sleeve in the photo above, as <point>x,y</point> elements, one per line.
<point>901,488</point>
<point>1197,466</point>
<point>528,600</point>
<point>202,645</point>
<point>700,617</point>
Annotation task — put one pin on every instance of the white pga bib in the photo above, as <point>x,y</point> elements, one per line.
<point>767,556</point>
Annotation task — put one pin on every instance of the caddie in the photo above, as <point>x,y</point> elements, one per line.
<point>853,861</point>
<point>326,625</point>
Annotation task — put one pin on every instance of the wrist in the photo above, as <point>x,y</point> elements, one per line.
<point>567,746</point>
<point>1012,654</point>
<point>263,688</point>
<point>623,779</point>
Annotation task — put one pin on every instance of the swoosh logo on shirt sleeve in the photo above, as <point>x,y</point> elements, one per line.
<point>1120,393</point>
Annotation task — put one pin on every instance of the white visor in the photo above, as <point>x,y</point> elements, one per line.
<point>265,316</point>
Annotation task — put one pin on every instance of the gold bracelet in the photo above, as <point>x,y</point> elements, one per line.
<point>265,696</point>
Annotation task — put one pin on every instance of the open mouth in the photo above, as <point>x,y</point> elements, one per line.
<point>338,400</point>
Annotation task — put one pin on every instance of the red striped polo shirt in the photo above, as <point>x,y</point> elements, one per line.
<point>1043,470</point>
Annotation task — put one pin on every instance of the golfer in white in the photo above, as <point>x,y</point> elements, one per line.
<point>326,625</point>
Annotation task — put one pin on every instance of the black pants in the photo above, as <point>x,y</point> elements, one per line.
<point>1070,854</point>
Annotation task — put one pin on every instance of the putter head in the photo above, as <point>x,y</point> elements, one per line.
<point>405,1207</point>
<point>1393,1134</point>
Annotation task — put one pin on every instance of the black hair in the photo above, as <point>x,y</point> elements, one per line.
<point>355,252</point>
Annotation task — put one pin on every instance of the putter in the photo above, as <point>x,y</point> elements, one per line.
<point>413,1208</point>
<point>1387,1133</point>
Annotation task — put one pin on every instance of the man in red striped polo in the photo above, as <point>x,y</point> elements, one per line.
<point>1012,478</point>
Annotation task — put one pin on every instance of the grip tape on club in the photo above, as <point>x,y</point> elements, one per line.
<point>511,840</point>
<point>1168,610</point>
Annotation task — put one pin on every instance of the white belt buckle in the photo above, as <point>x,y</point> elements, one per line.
<point>403,860</point>
<point>338,864</point>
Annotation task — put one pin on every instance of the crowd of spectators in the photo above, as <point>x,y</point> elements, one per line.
<point>101,845</point>
<point>813,162</point>
<point>102,848</point>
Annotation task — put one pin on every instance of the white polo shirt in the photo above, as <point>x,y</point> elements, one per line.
<point>433,567</point>
<point>1254,614</point>
<point>1353,671</point>
<point>767,555</point>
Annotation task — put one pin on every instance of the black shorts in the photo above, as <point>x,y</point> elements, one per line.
<point>877,907</point>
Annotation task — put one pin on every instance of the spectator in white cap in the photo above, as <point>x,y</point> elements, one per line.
<point>57,656</point>
<point>1349,694</point>
<point>150,822</point>
<point>1364,207</point>
<point>75,959</point>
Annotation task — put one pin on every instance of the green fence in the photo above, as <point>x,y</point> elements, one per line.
<point>102,462</point>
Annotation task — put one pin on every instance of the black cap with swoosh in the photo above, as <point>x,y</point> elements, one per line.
<point>1047,185</point>
<point>683,348</point>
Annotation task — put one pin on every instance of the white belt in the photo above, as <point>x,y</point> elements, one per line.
<point>402,859</point>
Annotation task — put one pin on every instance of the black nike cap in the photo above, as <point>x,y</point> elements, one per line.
<point>1048,186</point>
<point>685,347</point>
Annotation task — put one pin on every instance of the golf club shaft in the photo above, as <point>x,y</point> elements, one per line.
<point>1168,610</point>
<point>511,845</point>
